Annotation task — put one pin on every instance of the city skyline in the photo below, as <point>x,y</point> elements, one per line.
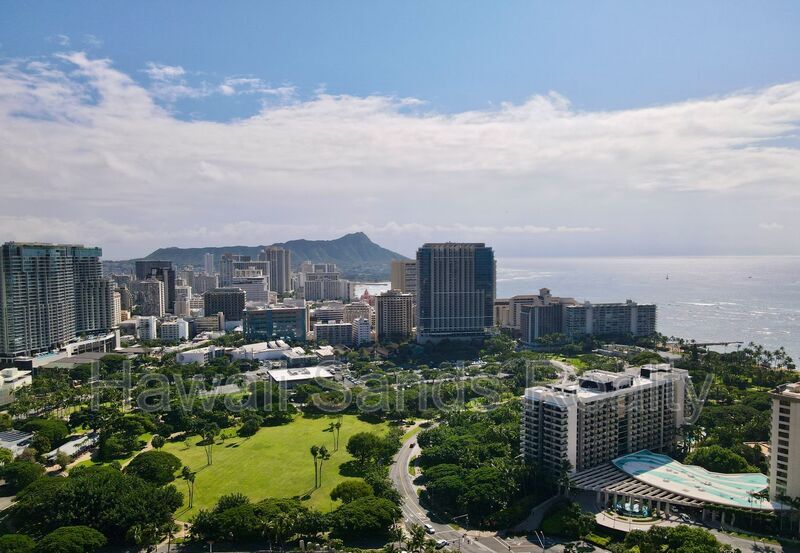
<point>672,147</point>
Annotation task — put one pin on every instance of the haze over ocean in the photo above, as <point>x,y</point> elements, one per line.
<point>706,298</point>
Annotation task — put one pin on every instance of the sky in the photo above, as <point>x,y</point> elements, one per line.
<point>541,128</point>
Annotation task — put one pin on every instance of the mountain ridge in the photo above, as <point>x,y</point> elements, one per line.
<point>357,256</point>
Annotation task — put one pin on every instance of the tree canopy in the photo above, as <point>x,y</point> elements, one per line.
<point>156,467</point>
<point>99,497</point>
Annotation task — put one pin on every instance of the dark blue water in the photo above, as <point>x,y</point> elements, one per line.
<point>706,298</point>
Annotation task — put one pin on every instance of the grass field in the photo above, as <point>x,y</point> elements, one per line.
<point>275,462</point>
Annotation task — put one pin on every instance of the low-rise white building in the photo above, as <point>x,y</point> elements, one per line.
<point>290,378</point>
<point>201,356</point>
<point>262,351</point>
<point>11,380</point>
<point>174,331</point>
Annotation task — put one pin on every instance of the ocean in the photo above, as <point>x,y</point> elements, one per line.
<point>709,299</point>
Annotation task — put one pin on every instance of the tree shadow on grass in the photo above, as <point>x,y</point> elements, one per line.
<point>351,469</point>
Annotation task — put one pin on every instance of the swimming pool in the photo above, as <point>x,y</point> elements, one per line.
<point>696,482</point>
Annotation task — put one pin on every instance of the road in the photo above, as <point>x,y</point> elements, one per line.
<point>466,542</point>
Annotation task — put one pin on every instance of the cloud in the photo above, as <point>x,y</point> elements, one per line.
<point>91,41</point>
<point>82,142</point>
<point>61,40</point>
<point>770,226</point>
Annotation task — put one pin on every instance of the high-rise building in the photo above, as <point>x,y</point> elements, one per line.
<point>362,331</point>
<point>204,283</point>
<point>148,328</point>
<point>277,321</point>
<point>280,266</point>
<point>150,297</point>
<point>50,293</point>
<point>358,310</point>
<point>228,301</point>
<point>609,319</point>
<point>208,263</point>
<point>536,316</point>
<point>254,283</point>
<point>230,263</point>
<point>394,316</point>
<point>322,281</point>
<point>784,470</point>
<point>603,416</point>
<point>159,270</point>
<point>404,275</point>
<point>455,291</point>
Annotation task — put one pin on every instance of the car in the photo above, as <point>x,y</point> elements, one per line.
<point>441,543</point>
<point>430,529</point>
<point>412,445</point>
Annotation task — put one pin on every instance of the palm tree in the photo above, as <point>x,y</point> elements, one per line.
<point>324,455</point>
<point>417,537</point>
<point>315,454</point>
<point>188,475</point>
<point>337,426</point>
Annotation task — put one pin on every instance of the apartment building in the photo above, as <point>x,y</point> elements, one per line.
<point>159,270</point>
<point>150,297</point>
<point>280,266</point>
<point>455,291</point>
<point>603,416</point>
<point>49,294</point>
<point>784,470</point>
<point>229,263</point>
<point>609,319</point>
<point>394,316</point>
<point>174,330</point>
<point>362,331</point>
<point>404,275</point>
<point>334,333</point>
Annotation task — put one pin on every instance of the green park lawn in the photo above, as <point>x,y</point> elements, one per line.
<point>275,462</point>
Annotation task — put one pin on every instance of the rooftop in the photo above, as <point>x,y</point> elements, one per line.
<point>304,373</point>
<point>660,471</point>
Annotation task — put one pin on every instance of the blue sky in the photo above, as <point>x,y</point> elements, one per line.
<point>558,89</point>
<point>456,55</point>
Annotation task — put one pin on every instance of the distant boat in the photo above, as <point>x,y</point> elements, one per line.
<point>667,277</point>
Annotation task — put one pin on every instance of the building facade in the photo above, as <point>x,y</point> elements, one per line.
<point>362,331</point>
<point>230,263</point>
<point>394,316</point>
<point>334,333</point>
<point>159,270</point>
<point>455,291</point>
<point>49,294</point>
<point>228,301</point>
<point>277,321</point>
<point>609,319</point>
<point>358,310</point>
<point>150,297</point>
<point>603,416</point>
<point>404,275</point>
<point>147,328</point>
<point>280,267</point>
<point>208,263</point>
<point>784,470</point>
<point>175,331</point>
